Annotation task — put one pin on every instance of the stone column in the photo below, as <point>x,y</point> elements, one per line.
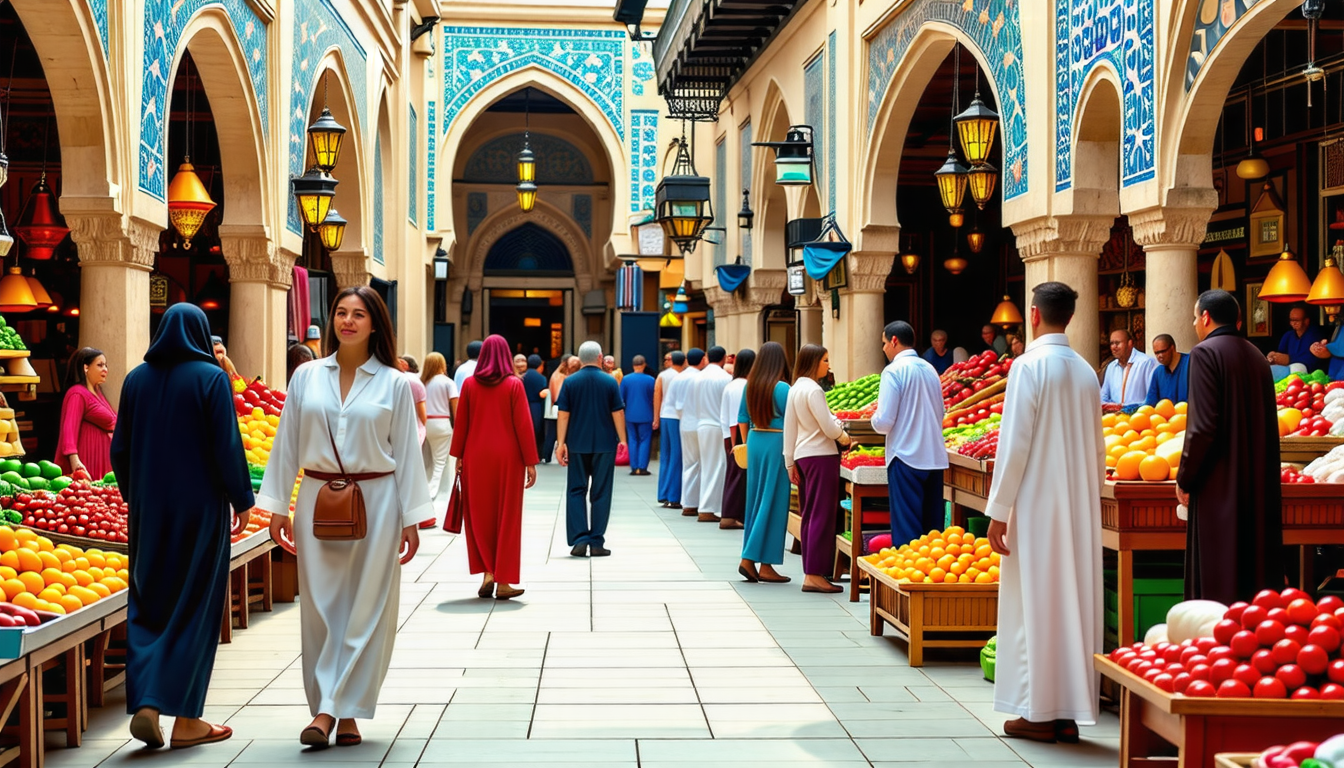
<point>722,304</point>
<point>1065,249</point>
<point>811,309</point>
<point>1171,237</point>
<point>116,255</point>
<point>281,282</point>
<point>763,289</point>
<point>350,268</point>
<point>252,325</point>
<point>859,327</point>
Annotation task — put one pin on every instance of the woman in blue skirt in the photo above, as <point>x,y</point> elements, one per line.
<point>761,420</point>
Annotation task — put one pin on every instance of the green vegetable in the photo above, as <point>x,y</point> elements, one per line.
<point>19,483</point>
<point>31,470</point>
<point>10,516</point>
<point>59,484</point>
<point>11,477</point>
<point>10,465</point>
<point>48,470</point>
<point>110,477</point>
<point>38,483</point>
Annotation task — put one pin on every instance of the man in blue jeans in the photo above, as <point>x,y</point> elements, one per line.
<point>590,423</point>
<point>637,394</point>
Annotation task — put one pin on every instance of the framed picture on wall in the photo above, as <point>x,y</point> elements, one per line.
<point>1258,314</point>
<point>1268,236</point>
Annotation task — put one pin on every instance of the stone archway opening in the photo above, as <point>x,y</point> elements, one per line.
<point>532,319</point>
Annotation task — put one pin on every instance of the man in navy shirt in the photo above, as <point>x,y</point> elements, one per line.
<point>534,384</point>
<point>637,393</point>
<point>1295,346</point>
<point>590,423</point>
<point>938,355</point>
<point>1171,378</point>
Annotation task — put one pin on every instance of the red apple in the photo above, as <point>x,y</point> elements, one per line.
<point>1326,620</point>
<point>1301,611</point>
<point>1234,611</point>
<point>1270,688</point>
<point>1267,598</point>
<point>1201,689</point>
<point>1285,651</point>
<point>1292,676</point>
<point>1181,682</point>
<point>1221,670</point>
<point>1326,637</point>
<point>1225,629</point>
<point>1233,689</point>
<point>1332,691</point>
<point>1263,660</point>
<point>1306,692</point>
<point>1267,633</point>
<point>1329,604</point>
<point>1244,643</point>
<point>1253,615</point>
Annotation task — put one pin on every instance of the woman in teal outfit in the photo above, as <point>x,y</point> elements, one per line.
<point>761,419</point>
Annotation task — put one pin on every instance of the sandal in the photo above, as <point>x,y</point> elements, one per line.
<point>779,579</point>
<point>145,728</point>
<point>1066,731</point>
<point>315,737</point>
<point>748,575</point>
<point>829,589</point>
<point>349,739</point>
<point>216,733</point>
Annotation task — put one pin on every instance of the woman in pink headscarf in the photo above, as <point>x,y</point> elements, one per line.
<point>496,456</point>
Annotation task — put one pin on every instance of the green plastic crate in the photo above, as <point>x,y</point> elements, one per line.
<point>1152,599</point>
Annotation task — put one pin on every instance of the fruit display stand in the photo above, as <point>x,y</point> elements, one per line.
<point>860,483</point>
<point>931,615</point>
<point>1200,728</point>
<point>1305,449</point>
<point>250,581</point>
<point>966,484</point>
<point>1234,759</point>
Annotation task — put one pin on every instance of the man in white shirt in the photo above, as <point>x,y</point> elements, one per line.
<point>667,421</point>
<point>911,396</point>
<point>468,368</point>
<point>706,392</point>
<point>1128,375</point>
<point>688,417</point>
<point>1045,524</point>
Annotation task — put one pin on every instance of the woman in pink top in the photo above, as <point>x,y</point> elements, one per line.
<point>87,419</point>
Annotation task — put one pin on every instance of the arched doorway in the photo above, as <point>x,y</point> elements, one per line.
<point>532,319</point>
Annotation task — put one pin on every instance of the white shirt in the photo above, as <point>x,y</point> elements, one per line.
<point>731,404</point>
<point>706,392</point>
<point>1131,389</point>
<point>675,394</point>
<point>667,411</point>
<point>910,397</point>
<point>466,369</point>
<point>439,394</point>
<point>810,429</point>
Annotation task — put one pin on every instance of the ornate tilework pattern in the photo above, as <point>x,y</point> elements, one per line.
<point>643,159</point>
<point>378,201</point>
<point>720,202</point>
<point>99,10</point>
<point>478,207</point>
<point>582,209</point>
<point>996,30</point>
<point>317,29</point>
<point>830,122</point>
<point>1119,32</point>
<point>641,71</point>
<point>165,21</point>
<point>414,161</point>
<point>1211,26</point>
<point>593,60</point>
<point>745,180</point>
<point>814,114</point>
<point>558,161</point>
<point>431,139</point>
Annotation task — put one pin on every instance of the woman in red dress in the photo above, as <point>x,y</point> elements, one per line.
<point>495,450</point>
<point>87,419</point>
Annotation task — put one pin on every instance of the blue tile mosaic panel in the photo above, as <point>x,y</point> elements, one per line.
<point>99,10</point>
<point>1117,33</point>
<point>378,201</point>
<point>745,183</point>
<point>814,114</point>
<point>592,60</point>
<point>995,29</point>
<point>643,159</point>
<point>641,70</point>
<point>1211,26</point>
<point>431,142</point>
<point>720,201</point>
<point>830,122</point>
<point>165,21</point>
<point>413,156</point>
<point>582,210</point>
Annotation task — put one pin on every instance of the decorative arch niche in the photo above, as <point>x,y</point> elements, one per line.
<point>529,249</point>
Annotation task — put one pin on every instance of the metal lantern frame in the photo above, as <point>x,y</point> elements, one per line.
<point>976,128</point>
<point>795,157</point>
<point>682,205</point>
<point>527,161</point>
<point>332,230</point>
<point>746,216</point>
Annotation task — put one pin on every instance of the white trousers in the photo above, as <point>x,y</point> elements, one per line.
<point>713,468</point>
<point>690,469</point>
<point>439,438</point>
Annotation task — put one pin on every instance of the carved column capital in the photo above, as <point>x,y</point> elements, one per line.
<point>1052,235</point>
<point>249,252</point>
<point>350,268</point>
<point>106,237</point>
<point>868,271</point>
<point>1168,226</point>
<point>282,268</point>
<point>764,288</point>
<point>721,301</point>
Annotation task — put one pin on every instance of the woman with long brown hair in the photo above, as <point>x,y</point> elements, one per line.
<point>350,414</point>
<point>810,434</point>
<point>735,479</point>
<point>87,418</point>
<point>761,422</point>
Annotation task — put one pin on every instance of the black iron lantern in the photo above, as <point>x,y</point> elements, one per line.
<point>746,215</point>
<point>682,202</point>
<point>793,157</point>
<point>314,191</point>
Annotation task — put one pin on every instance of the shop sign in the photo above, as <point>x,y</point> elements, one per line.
<point>158,291</point>
<point>797,281</point>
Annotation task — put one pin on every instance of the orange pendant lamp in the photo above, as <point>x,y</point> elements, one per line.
<point>188,202</point>
<point>40,294</point>
<point>1286,282</point>
<point>1328,288</point>
<point>15,295</point>
<point>1006,314</point>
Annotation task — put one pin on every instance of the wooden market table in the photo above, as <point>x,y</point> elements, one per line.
<point>250,581</point>
<point>966,484</point>
<point>931,615</point>
<point>861,483</point>
<point>1199,728</point>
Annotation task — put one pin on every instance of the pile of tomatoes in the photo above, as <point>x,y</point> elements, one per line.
<point>81,509</point>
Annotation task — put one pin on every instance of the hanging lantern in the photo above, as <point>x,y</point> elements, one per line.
<point>981,180</point>
<point>6,239</point>
<point>745,216</point>
<point>314,191</point>
<point>793,156</point>
<point>952,182</point>
<point>324,136</point>
<point>15,295</point>
<point>527,196</point>
<point>527,162</point>
<point>1006,313</point>
<point>1254,166</point>
<point>954,264</point>
<point>910,261</point>
<point>332,230</point>
<point>681,302</point>
<point>41,227</point>
<point>682,202</point>
<point>956,219</point>
<point>4,168</point>
<point>40,294</point>
<point>188,202</point>
<point>1328,287</point>
<point>975,240</point>
<point>975,129</point>
<point>1286,282</point>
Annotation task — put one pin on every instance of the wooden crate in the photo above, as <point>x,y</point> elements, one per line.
<point>974,476</point>
<point>1140,507</point>
<point>1313,505</point>
<point>1306,449</point>
<point>83,542</point>
<point>932,615</point>
<point>1234,759</point>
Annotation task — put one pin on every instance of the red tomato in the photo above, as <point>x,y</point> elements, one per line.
<point>1270,688</point>
<point>1181,682</point>
<point>1168,683</point>
<point>1296,633</point>
<point>1154,673</point>
<point>1245,643</point>
<point>1234,610</point>
<point>1268,632</point>
<point>1280,615</point>
<point>1200,671</point>
<point>1332,691</point>
<point>1314,661</point>
<point>1254,614</point>
<point>1246,674</point>
<point>1200,689</point>
<point>1329,604</point>
<point>1225,629</point>
<point>1220,670</point>
<point>1292,676</point>
<point>1263,660</point>
<point>1306,692</point>
<point>1189,653</point>
<point>1233,689</point>
<point>1326,620</point>
<point>1221,652</point>
<point>1285,651</point>
<point>1267,598</point>
<point>1172,654</point>
<point>1301,611</point>
<point>1325,637</point>
<point>1206,644</point>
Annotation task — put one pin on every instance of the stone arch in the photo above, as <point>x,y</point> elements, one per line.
<point>222,65</point>
<point>769,241</point>
<point>380,174</point>
<point>350,167</point>
<point>890,122</point>
<point>529,247</point>
<point>494,160</point>
<point>545,216</point>
<point>1193,110</point>
<point>1096,144</point>
<point>66,38</point>
<point>553,85</point>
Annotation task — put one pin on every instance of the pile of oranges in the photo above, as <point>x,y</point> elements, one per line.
<point>41,576</point>
<point>1139,446</point>
<point>952,556</point>
<point>258,432</point>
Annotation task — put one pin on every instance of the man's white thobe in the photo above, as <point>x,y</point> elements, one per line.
<point>1047,487</point>
<point>690,443</point>
<point>706,391</point>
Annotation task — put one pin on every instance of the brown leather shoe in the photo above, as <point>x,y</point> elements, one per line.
<point>707,517</point>
<point>690,512</point>
<point>729,524</point>
<point>504,593</point>
<point>1021,728</point>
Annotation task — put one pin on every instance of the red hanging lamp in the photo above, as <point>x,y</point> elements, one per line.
<point>41,227</point>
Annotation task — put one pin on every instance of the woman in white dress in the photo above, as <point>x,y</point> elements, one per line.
<point>356,400</point>
<point>441,407</point>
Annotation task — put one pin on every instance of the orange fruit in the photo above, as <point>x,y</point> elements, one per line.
<point>916,577</point>
<point>63,555</point>
<point>1145,444</point>
<point>957,568</point>
<point>10,559</point>
<point>1174,470</point>
<point>1156,420</point>
<point>69,566</point>
<point>1179,408</point>
<point>1117,450</point>
<point>68,580</point>
<point>31,545</point>
<point>1154,469</point>
<point>96,558</point>
<point>71,603</point>
<point>25,600</point>
<point>937,553</point>
<point>7,573</point>
<point>984,550</point>
<point>946,561</point>
<point>1108,420</point>
<point>1139,421</point>
<point>1129,437</point>
<point>81,563</point>
<point>33,581</point>
<point>964,579</point>
<point>994,572</point>
<point>51,576</point>
<point>123,575</point>
<point>84,595</point>
<point>83,578</point>
<point>1127,468</point>
<point>8,540</point>
<point>50,595</point>
<point>1165,408</point>
<point>984,578</point>
<point>49,560</point>
<point>45,544</point>
<point>13,588</point>
<point>96,573</point>
<point>972,573</point>
<point>50,607</point>
<point>1177,423</point>
<point>937,575</point>
<point>100,589</point>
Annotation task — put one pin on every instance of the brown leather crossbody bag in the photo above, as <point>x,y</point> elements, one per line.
<point>338,511</point>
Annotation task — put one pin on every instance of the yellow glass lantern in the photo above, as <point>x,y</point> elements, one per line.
<point>1006,314</point>
<point>527,196</point>
<point>332,230</point>
<point>976,128</point>
<point>952,182</point>
<point>527,163</point>
<point>910,261</point>
<point>1286,282</point>
<point>975,240</point>
<point>981,180</point>
<point>956,219</point>
<point>188,202</point>
<point>682,202</point>
<point>1328,287</point>
<point>955,264</point>
<point>314,191</point>
<point>324,136</point>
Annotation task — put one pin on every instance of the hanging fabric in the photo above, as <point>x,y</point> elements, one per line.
<point>300,311</point>
<point>629,288</point>
<point>732,276</point>
<point>821,255</point>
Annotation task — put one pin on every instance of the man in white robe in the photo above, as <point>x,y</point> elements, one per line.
<point>1045,523</point>
<point>689,423</point>
<point>706,392</point>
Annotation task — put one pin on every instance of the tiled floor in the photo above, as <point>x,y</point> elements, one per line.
<point>658,656</point>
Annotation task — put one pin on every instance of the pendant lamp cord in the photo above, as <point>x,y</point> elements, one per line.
<point>9,90</point>
<point>956,97</point>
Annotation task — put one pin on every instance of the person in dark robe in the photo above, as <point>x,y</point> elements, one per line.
<point>179,463</point>
<point>534,384</point>
<point>1229,472</point>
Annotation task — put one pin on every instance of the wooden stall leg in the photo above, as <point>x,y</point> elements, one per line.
<point>32,744</point>
<point>855,575</point>
<point>1136,741</point>
<point>916,634</point>
<point>874,621</point>
<point>1124,589</point>
<point>98,668</point>
<point>264,565</point>
<point>239,578</point>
